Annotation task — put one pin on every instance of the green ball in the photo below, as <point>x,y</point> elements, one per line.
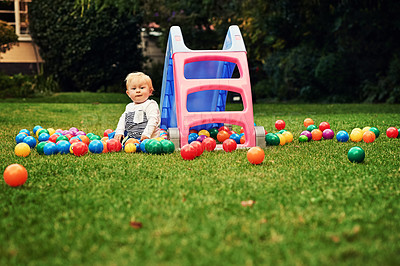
<point>95,137</point>
<point>90,135</point>
<point>62,138</point>
<point>272,139</point>
<point>153,147</point>
<point>147,144</point>
<point>213,132</point>
<point>40,147</point>
<point>311,127</point>
<point>356,155</point>
<point>303,138</point>
<point>281,131</point>
<point>41,131</point>
<point>167,146</point>
<point>375,130</point>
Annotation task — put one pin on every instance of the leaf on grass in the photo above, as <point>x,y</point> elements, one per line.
<point>183,199</point>
<point>136,225</point>
<point>301,219</point>
<point>248,203</point>
<point>335,239</point>
<point>264,221</point>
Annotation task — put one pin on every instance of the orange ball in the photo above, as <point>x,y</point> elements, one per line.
<point>369,136</point>
<point>105,149</point>
<point>84,139</point>
<point>255,155</point>
<point>222,136</point>
<point>242,140</point>
<point>132,140</point>
<point>15,175</point>
<point>308,121</point>
<point>316,134</point>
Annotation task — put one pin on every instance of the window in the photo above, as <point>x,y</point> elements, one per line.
<point>15,13</point>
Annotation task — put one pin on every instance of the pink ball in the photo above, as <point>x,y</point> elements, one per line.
<point>328,134</point>
<point>307,134</point>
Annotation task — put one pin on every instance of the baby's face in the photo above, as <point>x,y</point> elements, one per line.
<point>139,92</point>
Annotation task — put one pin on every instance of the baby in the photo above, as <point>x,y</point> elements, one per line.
<point>141,119</point>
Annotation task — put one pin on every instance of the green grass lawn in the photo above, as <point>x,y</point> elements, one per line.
<point>312,206</point>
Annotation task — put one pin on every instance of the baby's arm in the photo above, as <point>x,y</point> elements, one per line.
<point>119,132</point>
<point>153,117</point>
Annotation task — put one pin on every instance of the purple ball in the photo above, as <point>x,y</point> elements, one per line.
<point>79,133</point>
<point>328,134</point>
<point>201,138</point>
<point>307,134</point>
<point>59,130</point>
<point>65,132</point>
<point>73,129</point>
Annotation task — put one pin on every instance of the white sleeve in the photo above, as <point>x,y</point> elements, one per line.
<point>121,125</point>
<point>153,119</point>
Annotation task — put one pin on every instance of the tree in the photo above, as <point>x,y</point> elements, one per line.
<point>7,37</point>
<point>86,49</point>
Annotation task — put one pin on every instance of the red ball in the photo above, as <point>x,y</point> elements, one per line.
<point>113,145</point>
<point>53,138</point>
<point>224,128</point>
<point>280,124</point>
<point>188,152</point>
<point>80,149</point>
<point>392,132</point>
<point>107,131</point>
<point>198,147</point>
<point>324,125</point>
<point>15,175</point>
<point>209,144</point>
<point>255,155</point>
<point>229,145</point>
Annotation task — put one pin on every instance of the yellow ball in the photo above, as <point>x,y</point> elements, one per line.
<point>22,150</point>
<point>282,139</point>
<point>130,147</point>
<point>365,129</point>
<point>356,136</point>
<point>288,136</point>
<point>356,129</point>
<point>51,131</point>
<point>204,132</point>
<point>159,138</point>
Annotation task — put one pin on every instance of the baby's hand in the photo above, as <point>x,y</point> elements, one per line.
<point>143,138</point>
<point>118,137</point>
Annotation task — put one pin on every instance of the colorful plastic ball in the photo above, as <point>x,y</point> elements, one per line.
<point>20,137</point>
<point>356,155</point>
<point>280,124</point>
<point>143,145</point>
<point>201,138</point>
<point>281,131</point>
<point>90,135</point>
<point>288,136</point>
<point>22,149</point>
<point>222,135</point>
<point>209,144</point>
<point>342,136</point>
<point>51,131</point>
<point>316,134</point>
<point>198,147</point>
<point>224,128</point>
<point>272,139</point>
<point>96,146</point>
<point>376,131</point>
<point>63,146</point>
<point>59,138</point>
<point>85,139</point>
<point>204,132</point>
<point>188,152</point>
<point>80,133</point>
<point>80,149</point>
<point>25,131</point>
<point>40,146</point>
<point>105,149</point>
<point>229,145</point>
<point>323,126</point>
<point>328,133</point>
<point>74,140</point>
<point>167,146</point>
<point>95,137</point>
<point>365,129</point>
<point>132,140</point>
<point>311,127</point>
<point>192,130</point>
<point>235,137</point>
<point>53,138</point>
<point>31,141</point>
<point>308,121</point>
<point>192,137</point>
<point>36,128</point>
<point>128,148</point>
<point>154,147</point>
<point>369,136</point>
<point>282,139</point>
<point>307,134</point>
<point>41,131</point>
<point>356,135</point>
<point>242,139</point>
<point>392,132</point>
<point>44,137</point>
<point>15,175</point>
<point>114,145</point>
<point>71,148</point>
<point>50,148</point>
<point>255,155</point>
<point>303,138</point>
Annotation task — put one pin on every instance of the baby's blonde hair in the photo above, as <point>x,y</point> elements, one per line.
<point>139,77</point>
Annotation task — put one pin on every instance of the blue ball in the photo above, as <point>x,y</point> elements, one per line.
<point>20,137</point>
<point>342,136</point>
<point>43,137</point>
<point>235,137</point>
<point>31,141</point>
<point>63,147</point>
<point>192,137</point>
<point>143,144</point>
<point>138,147</point>
<point>25,131</point>
<point>96,146</point>
<point>50,148</point>
<point>36,128</point>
